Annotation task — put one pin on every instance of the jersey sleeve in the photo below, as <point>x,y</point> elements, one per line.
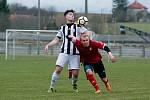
<point>100,44</point>
<point>59,33</point>
<point>81,30</point>
<point>77,43</point>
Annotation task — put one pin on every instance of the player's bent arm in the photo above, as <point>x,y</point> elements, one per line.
<point>52,43</point>
<point>112,58</point>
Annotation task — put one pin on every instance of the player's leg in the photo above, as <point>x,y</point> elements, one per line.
<point>107,84</point>
<point>100,70</point>
<point>89,73</point>
<point>75,73</point>
<point>61,60</point>
<point>69,72</point>
<point>55,77</point>
<point>74,63</point>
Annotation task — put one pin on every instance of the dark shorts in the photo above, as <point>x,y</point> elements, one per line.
<point>97,68</point>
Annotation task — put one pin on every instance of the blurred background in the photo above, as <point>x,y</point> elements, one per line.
<point>122,24</point>
<point>27,25</point>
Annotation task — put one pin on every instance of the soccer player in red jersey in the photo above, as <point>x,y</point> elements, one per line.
<point>92,59</point>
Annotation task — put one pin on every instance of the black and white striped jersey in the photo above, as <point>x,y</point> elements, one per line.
<point>67,45</point>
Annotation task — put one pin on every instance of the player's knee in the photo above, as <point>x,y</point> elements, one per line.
<point>58,69</point>
<point>105,80</point>
<point>89,71</point>
<point>75,72</point>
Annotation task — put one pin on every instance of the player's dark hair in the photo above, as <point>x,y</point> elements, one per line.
<point>67,11</point>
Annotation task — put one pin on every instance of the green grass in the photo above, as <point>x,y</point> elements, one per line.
<point>115,28</point>
<point>27,78</point>
<point>141,26</point>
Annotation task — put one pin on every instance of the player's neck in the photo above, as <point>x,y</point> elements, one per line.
<point>69,22</point>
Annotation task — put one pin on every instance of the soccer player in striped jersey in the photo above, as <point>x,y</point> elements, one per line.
<point>68,52</point>
<point>92,59</point>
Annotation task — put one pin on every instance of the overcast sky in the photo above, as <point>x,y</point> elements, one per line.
<point>95,6</point>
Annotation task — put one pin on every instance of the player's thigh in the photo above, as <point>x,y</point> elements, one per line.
<point>99,69</point>
<point>74,62</point>
<point>62,59</point>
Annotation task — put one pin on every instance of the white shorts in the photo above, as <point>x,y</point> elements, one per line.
<point>73,61</point>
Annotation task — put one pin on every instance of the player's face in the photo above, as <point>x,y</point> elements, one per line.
<point>70,17</point>
<point>85,41</point>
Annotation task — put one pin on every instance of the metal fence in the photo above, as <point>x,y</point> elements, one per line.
<point>122,46</point>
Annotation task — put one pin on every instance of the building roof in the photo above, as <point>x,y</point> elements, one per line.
<point>14,17</point>
<point>137,5</point>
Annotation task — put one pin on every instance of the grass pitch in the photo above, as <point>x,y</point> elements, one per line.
<point>27,78</point>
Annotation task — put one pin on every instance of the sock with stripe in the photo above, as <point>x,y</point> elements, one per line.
<point>93,81</point>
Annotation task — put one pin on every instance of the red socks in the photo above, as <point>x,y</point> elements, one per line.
<point>93,81</point>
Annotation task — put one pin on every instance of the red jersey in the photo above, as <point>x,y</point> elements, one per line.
<point>90,54</point>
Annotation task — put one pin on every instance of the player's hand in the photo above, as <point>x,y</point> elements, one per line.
<point>46,49</point>
<point>113,59</point>
<point>72,38</point>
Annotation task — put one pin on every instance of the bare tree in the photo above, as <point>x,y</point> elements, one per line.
<point>26,18</point>
<point>4,15</point>
<point>120,10</point>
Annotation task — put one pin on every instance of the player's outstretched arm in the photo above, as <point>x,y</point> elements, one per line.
<point>112,58</point>
<point>110,55</point>
<point>50,44</point>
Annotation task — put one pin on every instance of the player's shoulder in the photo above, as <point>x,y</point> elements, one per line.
<point>77,41</point>
<point>94,42</point>
<point>77,25</point>
<point>61,26</point>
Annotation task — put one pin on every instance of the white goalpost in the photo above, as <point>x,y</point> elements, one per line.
<point>21,41</point>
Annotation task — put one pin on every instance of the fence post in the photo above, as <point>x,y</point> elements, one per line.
<point>143,50</point>
<point>120,51</point>
<point>30,49</point>
<point>6,46</point>
<point>14,46</point>
<point>38,47</point>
